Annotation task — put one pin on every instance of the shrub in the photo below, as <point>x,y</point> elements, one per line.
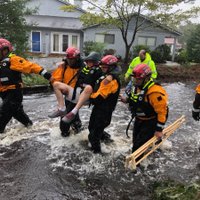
<point>161,54</point>
<point>193,45</point>
<point>181,57</point>
<point>34,79</point>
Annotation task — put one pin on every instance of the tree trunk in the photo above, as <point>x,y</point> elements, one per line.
<point>126,58</point>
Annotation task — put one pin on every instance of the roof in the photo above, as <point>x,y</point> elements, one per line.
<point>151,20</point>
<point>77,8</point>
<point>161,25</point>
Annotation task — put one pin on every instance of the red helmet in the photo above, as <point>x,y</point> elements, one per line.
<point>109,60</point>
<point>5,44</point>
<point>141,71</point>
<point>72,52</point>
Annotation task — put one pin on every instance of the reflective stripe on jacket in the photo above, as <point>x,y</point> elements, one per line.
<point>150,102</point>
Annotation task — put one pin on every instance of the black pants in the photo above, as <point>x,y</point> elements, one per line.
<point>12,107</point>
<point>100,118</point>
<point>75,124</point>
<point>143,131</point>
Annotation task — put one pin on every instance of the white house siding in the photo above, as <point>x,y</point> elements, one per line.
<point>52,8</point>
<point>119,46</point>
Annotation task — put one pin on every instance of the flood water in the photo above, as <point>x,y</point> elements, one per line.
<point>37,163</point>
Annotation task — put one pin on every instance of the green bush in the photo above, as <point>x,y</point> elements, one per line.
<point>193,45</point>
<point>171,190</point>
<point>181,57</point>
<point>161,54</point>
<point>34,79</point>
<point>93,46</point>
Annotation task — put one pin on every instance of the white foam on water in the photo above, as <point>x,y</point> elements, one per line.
<point>166,145</point>
<point>19,132</point>
<point>120,146</point>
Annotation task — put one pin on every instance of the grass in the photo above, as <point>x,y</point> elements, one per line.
<point>171,190</point>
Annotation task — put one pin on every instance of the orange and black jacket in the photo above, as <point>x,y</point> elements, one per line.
<point>106,95</point>
<point>66,74</point>
<point>150,102</point>
<point>196,103</point>
<point>11,69</point>
<point>72,76</point>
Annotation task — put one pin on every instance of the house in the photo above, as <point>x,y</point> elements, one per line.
<point>152,35</point>
<point>55,30</point>
<point>174,45</point>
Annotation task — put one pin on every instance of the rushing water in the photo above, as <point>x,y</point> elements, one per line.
<point>37,163</point>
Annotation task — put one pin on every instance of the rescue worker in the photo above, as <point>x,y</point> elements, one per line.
<point>196,105</point>
<point>143,57</point>
<point>148,104</point>
<point>104,98</point>
<point>11,68</point>
<point>67,74</point>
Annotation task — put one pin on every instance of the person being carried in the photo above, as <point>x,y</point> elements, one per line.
<point>88,90</point>
<point>72,93</point>
<point>67,74</point>
<point>11,68</point>
<point>196,105</point>
<point>148,104</point>
<point>145,58</point>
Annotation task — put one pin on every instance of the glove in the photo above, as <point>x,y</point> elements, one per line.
<point>196,115</point>
<point>45,74</point>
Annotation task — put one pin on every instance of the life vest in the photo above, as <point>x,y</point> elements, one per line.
<point>8,76</point>
<point>138,105</point>
<point>108,101</point>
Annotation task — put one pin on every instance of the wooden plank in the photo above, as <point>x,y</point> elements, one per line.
<point>151,145</point>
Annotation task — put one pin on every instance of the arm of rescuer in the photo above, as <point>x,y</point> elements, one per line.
<point>24,66</point>
<point>130,69</point>
<point>196,105</point>
<point>159,102</point>
<point>105,90</point>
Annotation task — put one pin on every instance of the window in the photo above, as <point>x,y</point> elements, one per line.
<point>36,41</point>
<point>105,38</point>
<point>61,41</point>
<point>55,42</point>
<point>74,40</point>
<point>147,41</point>
<point>65,42</point>
<point>109,38</point>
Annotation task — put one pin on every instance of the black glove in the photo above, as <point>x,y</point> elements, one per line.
<point>45,74</point>
<point>196,115</point>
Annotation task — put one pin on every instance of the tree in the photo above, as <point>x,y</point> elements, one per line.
<point>13,25</point>
<point>186,29</point>
<point>120,13</point>
<point>193,45</point>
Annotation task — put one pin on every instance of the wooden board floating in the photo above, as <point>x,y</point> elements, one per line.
<point>151,145</point>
